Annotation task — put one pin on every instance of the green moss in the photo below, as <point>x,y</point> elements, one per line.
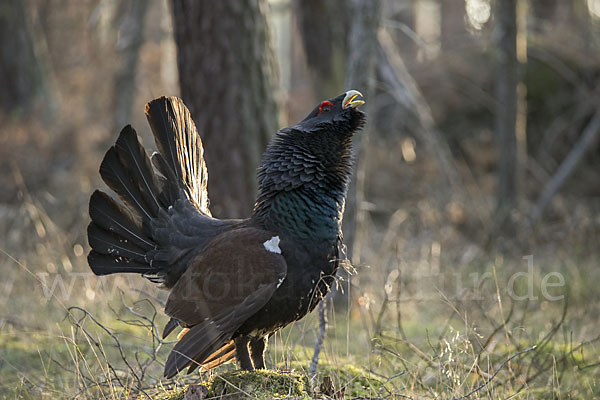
<point>266,384</point>
<point>174,394</point>
<point>349,380</point>
<point>353,381</point>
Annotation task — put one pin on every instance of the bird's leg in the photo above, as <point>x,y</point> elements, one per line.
<point>241,353</point>
<point>257,348</point>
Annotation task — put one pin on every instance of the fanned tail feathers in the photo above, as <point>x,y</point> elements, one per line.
<point>180,147</point>
<point>122,236</point>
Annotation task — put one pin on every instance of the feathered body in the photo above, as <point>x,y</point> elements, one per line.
<point>232,282</point>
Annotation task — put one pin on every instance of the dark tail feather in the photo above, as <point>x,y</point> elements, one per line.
<point>171,192</point>
<point>221,356</point>
<point>181,148</point>
<point>110,216</point>
<point>199,343</point>
<point>111,244</point>
<point>172,324</point>
<point>121,237</point>
<point>135,160</point>
<point>117,178</point>
<point>102,264</point>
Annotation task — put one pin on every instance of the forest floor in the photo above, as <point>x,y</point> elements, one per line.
<point>490,347</point>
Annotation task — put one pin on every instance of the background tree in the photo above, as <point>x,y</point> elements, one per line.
<point>132,17</point>
<point>323,27</point>
<point>22,74</point>
<point>362,44</point>
<point>226,73</point>
<point>507,79</point>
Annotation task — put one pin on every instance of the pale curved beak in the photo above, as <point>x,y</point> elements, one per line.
<point>353,99</point>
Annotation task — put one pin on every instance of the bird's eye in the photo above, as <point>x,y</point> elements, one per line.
<point>325,106</point>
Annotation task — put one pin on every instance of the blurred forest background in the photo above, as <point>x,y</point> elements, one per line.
<point>473,221</point>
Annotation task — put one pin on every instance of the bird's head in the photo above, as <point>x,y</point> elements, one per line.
<point>340,114</point>
<point>314,153</point>
<point>325,133</point>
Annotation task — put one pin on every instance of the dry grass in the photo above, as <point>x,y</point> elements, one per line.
<point>424,330</point>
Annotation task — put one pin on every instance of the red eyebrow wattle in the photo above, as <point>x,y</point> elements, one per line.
<point>325,104</point>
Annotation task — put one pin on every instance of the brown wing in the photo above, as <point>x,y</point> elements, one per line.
<point>234,277</point>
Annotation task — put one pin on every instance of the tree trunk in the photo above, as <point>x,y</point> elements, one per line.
<point>453,32</point>
<point>506,108</point>
<point>226,72</point>
<point>131,38</point>
<point>360,75</point>
<point>22,78</point>
<point>324,30</point>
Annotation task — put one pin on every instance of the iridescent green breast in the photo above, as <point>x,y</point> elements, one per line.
<point>307,213</point>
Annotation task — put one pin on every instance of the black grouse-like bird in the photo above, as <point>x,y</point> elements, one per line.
<point>232,282</point>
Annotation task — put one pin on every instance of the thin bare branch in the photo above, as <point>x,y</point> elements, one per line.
<point>487,382</point>
<point>568,166</point>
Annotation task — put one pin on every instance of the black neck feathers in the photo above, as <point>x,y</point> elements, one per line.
<point>303,180</point>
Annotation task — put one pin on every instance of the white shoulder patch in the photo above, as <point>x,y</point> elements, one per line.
<point>272,245</point>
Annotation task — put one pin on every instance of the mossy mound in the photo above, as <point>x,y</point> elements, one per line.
<point>264,384</point>
<point>332,381</point>
<point>171,394</point>
<point>346,381</point>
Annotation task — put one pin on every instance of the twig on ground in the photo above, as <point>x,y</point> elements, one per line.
<point>160,301</point>
<point>388,381</point>
<point>411,346</point>
<point>109,332</point>
<point>314,362</point>
<point>157,340</point>
<point>541,345</point>
<point>505,320</point>
<point>138,372</point>
<point>487,382</point>
<point>78,325</point>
